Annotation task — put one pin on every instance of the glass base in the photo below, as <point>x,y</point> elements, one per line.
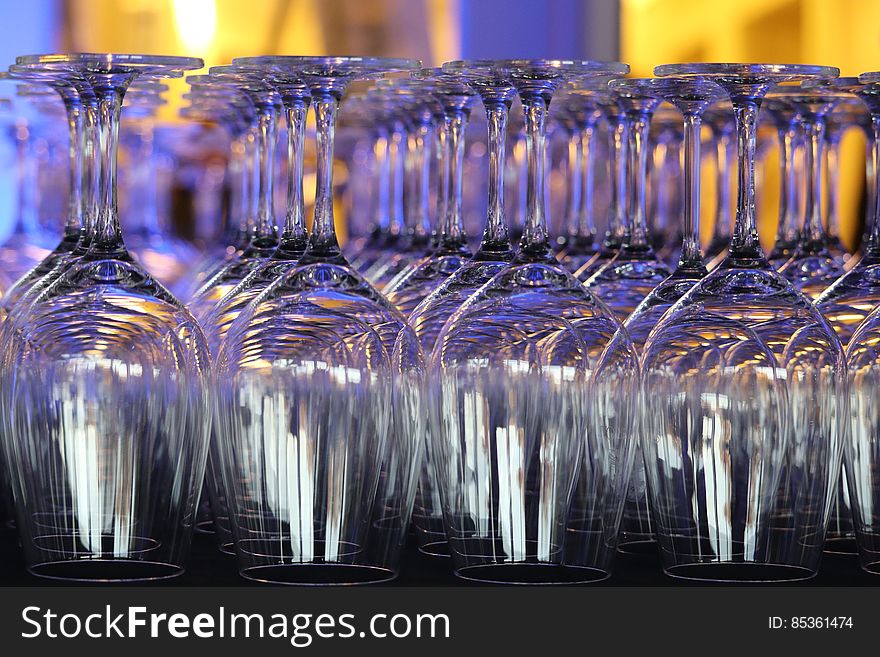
<point>757,573</point>
<point>531,574</point>
<point>205,526</point>
<point>872,567</point>
<point>841,545</point>
<point>105,570</point>
<point>318,574</point>
<point>435,549</point>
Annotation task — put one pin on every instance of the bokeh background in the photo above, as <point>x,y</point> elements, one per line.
<point>845,33</point>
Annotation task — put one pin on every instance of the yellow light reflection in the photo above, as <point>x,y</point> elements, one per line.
<point>195,22</point>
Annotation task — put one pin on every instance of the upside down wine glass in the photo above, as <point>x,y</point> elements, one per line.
<point>493,85</point>
<point>531,449</point>
<point>264,240</point>
<point>318,414</point>
<point>691,97</point>
<point>743,405</point>
<point>635,270</point>
<point>421,278</point>
<point>105,408</point>
<point>812,267</point>
<point>854,295</point>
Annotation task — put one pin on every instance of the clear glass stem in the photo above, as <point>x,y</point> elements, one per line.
<point>265,228</point>
<point>873,246</point>
<point>452,233</point>
<point>107,237</point>
<point>744,243</point>
<point>639,123</point>
<point>323,240</point>
<point>575,181</point>
<point>832,171</point>
<point>441,160</point>
<point>813,236</point>
<point>89,180</point>
<point>382,159</point>
<point>294,221</point>
<point>249,195</point>
<point>586,225</point>
<point>535,238</point>
<point>723,153</point>
<point>75,122</point>
<point>788,185</point>
<point>495,236</point>
<point>617,228</point>
<point>421,165</point>
<point>691,256</point>
<point>397,156</point>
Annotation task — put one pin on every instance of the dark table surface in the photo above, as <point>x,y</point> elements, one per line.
<point>209,567</point>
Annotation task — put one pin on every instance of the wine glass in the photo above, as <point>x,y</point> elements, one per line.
<point>615,232</point>
<point>413,107</point>
<point>522,469</point>
<point>861,452</point>
<point>855,294</point>
<point>236,236</point>
<point>625,280</point>
<point>264,240</point>
<point>295,97</point>
<point>319,453</point>
<point>106,393</point>
<point>421,278</point>
<point>144,189</point>
<point>691,97</point>
<point>79,102</point>
<point>788,128</point>
<point>743,411</point>
<point>581,113</point>
<point>489,80</point>
<point>812,267</point>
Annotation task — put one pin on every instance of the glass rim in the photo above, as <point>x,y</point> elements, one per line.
<point>61,60</point>
<point>354,63</point>
<point>582,66</point>
<point>745,70</point>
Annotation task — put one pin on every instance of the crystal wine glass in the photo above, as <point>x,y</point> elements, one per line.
<point>319,456</point>
<point>743,417</point>
<point>635,270</point>
<point>812,267</point>
<point>691,97</point>
<point>512,433</point>
<point>106,403</point>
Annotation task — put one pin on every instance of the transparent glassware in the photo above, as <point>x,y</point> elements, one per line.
<point>790,135</point>
<point>581,114</point>
<point>743,405</point>
<point>106,395</point>
<point>854,295</point>
<point>812,267</point>
<point>625,280</point>
<point>489,80</point>
<point>848,114</point>
<point>381,238</point>
<point>721,120</point>
<point>144,191</point>
<point>862,450</point>
<point>421,278</point>
<point>79,102</point>
<point>663,183</point>
<point>318,424</point>
<point>265,236</point>
<point>615,232</point>
<point>511,390</point>
<point>850,299</point>
<point>691,97</point>
<point>237,179</point>
<point>415,109</point>
<point>295,98</point>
